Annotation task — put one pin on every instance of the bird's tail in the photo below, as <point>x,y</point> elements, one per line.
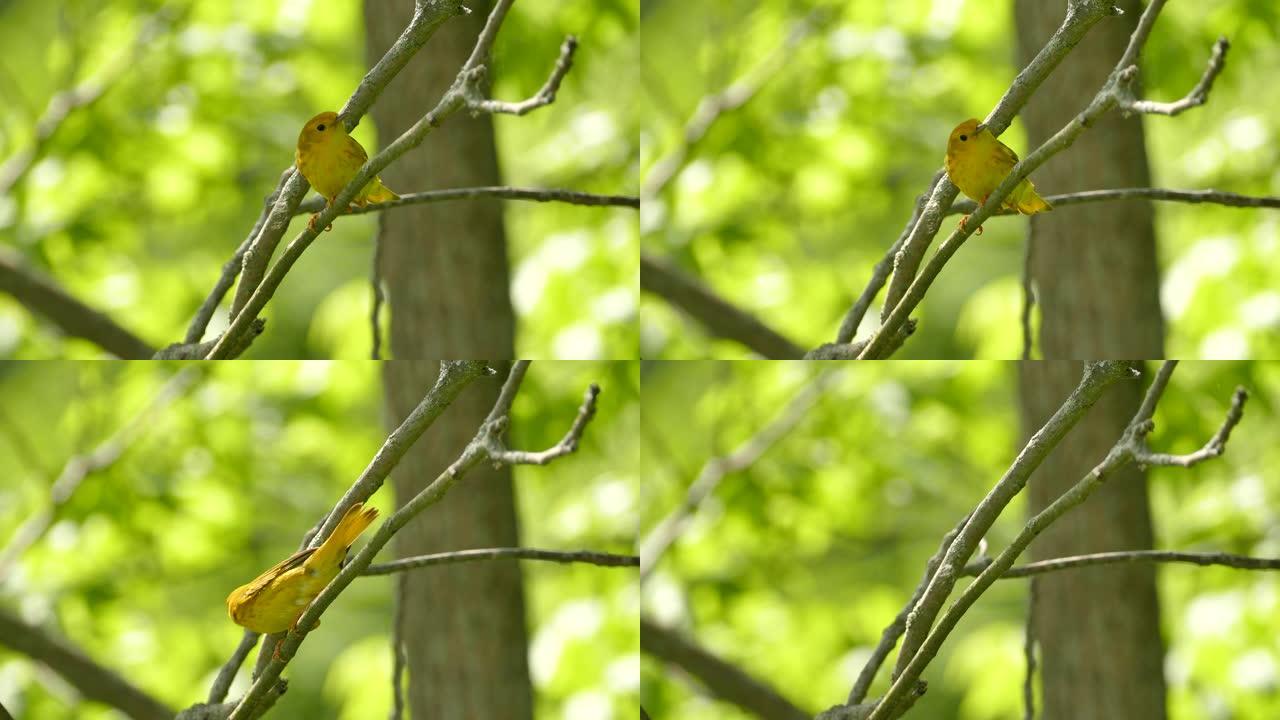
<point>349,528</point>
<point>1027,201</point>
<point>379,193</point>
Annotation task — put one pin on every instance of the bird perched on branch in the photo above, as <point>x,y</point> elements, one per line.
<point>977,163</point>
<point>329,158</point>
<point>273,601</point>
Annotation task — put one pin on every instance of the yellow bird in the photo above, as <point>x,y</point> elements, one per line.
<point>274,600</point>
<point>329,158</point>
<point>977,163</point>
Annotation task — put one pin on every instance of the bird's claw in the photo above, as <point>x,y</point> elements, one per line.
<point>962,221</point>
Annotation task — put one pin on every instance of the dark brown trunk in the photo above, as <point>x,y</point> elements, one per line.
<point>465,636</point>
<point>445,269</point>
<point>1098,628</point>
<point>1095,270</point>
<point>1094,265</point>
<point>444,264</point>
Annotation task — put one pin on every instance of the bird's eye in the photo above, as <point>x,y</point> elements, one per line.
<point>962,137</point>
<point>320,127</point>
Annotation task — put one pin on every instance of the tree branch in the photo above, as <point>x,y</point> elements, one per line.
<point>1204,559</point>
<point>1097,378</point>
<point>43,296</point>
<point>1127,449</point>
<point>665,533</point>
<point>1198,95</point>
<point>1109,96</point>
<point>231,268</point>
<point>722,679</point>
<point>1081,16</point>
<point>712,107</point>
<point>454,377</point>
<point>572,197</point>
<point>1217,197</point>
<point>477,451</point>
<point>428,16</point>
<point>92,680</point>
<point>81,466</point>
<point>63,104</point>
<point>720,317</point>
<point>456,98</point>
<point>519,553</point>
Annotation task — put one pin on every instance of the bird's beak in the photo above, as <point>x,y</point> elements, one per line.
<point>980,128</point>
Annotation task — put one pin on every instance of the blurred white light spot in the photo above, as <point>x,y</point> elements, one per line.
<point>1255,670</point>
<point>1225,344</point>
<point>615,305</point>
<point>696,177</point>
<point>1245,133</point>
<point>587,705</point>
<point>623,674</point>
<point>1209,257</point>
<point>577,342</point>
<point>47,173</point>
<point>1261,310</point>
<point>173,119</point>
<point>1213,615</point>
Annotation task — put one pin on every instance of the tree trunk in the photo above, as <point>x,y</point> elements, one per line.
<point>1098,628</point>
<point>444,264</point>
<point>464,631</point>
<point>1093,265</point>
<point>445,268</point>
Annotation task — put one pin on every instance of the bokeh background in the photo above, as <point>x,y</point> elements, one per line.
<point>794,566</point>
<point>222,481</point>
<point>787,202</point>
<point>139,198</point>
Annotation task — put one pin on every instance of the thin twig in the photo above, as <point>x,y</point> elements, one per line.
<point>1217,197</point>
<point>398,660</point>
<point>1028,296</point>
<point>459,556</point>
<point>1198,95</point>
<point>1203,559</point>
<point>79,467</point>
<point>571,197</point>
<point>712,107</point>
<point>1029,654</point>
<point>668,530</point>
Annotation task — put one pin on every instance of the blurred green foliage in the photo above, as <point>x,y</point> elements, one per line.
<point>140,198</point>
<point>223,482</point>
<point>794,566</point>
<point>788,202</point>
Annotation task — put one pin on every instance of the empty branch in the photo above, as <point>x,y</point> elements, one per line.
<point>460,556</point>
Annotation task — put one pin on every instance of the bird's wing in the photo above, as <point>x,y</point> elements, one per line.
<point>262,581</point>
<point>1006,154</point>
<point>354,150</point>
